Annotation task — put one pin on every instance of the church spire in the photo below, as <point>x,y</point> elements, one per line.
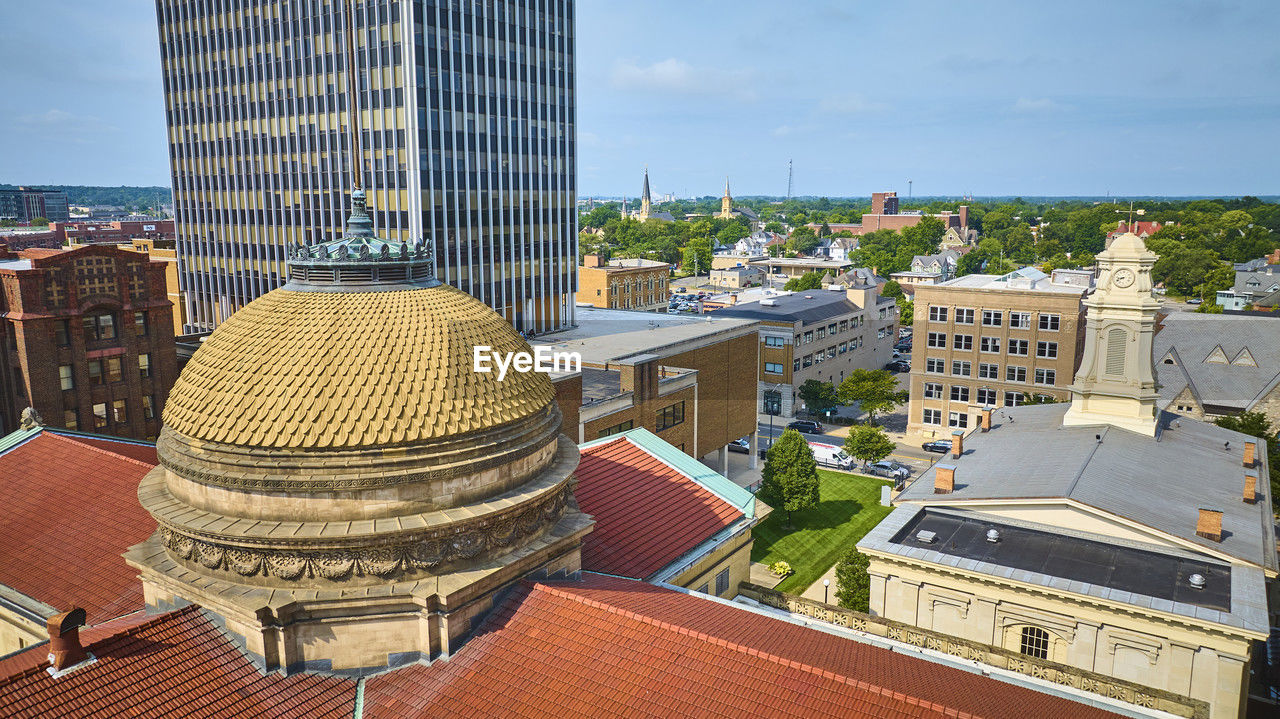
<point>1116,382</point>
<point>726,202</point>
<point>645,200</point>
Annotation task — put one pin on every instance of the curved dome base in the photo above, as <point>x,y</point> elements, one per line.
<point>356,630</point>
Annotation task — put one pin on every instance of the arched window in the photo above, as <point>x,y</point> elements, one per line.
<point>1034,642</point>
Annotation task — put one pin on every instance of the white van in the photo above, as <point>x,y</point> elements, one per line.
<point>829,455</point>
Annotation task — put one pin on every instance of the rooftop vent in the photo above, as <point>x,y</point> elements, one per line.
<point>993,535</point>
<point>1197,581</point>
<point>926,537</point>
<point>768,303</point>
<point>808,297</point>
<point>65,650</point>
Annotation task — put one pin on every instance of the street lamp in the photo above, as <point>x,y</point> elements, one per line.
<point>826,590</point>
<point>777,387</point>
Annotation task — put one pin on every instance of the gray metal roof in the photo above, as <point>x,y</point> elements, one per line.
<point>1229,361</point>
<point>1159,482</point>
<point>810,306</point>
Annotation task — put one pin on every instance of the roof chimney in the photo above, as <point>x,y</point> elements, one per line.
<point>985,422</point>
<point>592,261</point>
<point>944,479</point>
<point>957,443</point>
<point>64,639</point>
<point>1209,525</point>
<point>1250,453</point>
<point>1250,488</point>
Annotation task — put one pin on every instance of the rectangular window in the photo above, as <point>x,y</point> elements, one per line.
<point>986,396</point>
<point>144,365</point>
<point>932,416</point>
<point>937,340</point>
<point>100,327</point>
<point>773,368</point>
<point>844,325</point>
<point>992,318</point>
<point>959,393</point>
<point>807,361</point>
<point>986,370</point>
<point>844,347</point>
<point>1019,320</point>
<point>831,328</point>
<point>1047,350</point>
<point>808,337</point>
<point>1015,374</point>
<point>819,357</point>
<point>140,324</point>
<point>70,420</point>
<point>603,433</point>
<point>1046,376</point>
<point>722,582</point>
<point>937,314</point>
<point>831,352</point>
<point>66,373</point>
<point>95,371</point>
<point>960,368</point>
<point>958,419</point>
<point>964,316</point>
<point>100,415</point>
<point>795,366</point>
<point>62,333</point>
<point>1018,347</point>
<point>933,390</point>
<point>1049,323</point>
<point>118,414</point>
<point>671,416</point>
<point>774,342</point>
<point>963,342</point>
<point>149,407</point>
<point>934,365</point>
<point>822,333</point>
<point>990,344</point>
<point>113,369</point>
<point>1012,399</point>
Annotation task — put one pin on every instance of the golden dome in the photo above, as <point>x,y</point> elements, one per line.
<point>342,370</point>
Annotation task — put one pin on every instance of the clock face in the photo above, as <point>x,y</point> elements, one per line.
<point>1123,277</point>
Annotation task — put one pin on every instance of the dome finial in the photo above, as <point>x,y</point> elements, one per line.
<point>359,224</point>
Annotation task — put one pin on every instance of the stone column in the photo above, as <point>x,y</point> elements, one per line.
<point>980,625</point>
<point>755,447</point>
<point>879,585</point>
<point>724,460</point>
<point>1083,652</point>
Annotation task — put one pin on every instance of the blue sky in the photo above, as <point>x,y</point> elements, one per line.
<point>1168,97</point>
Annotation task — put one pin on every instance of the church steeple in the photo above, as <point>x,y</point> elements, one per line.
<point>726,202</point>
<point>645,200</point>
<point>1116,383</point>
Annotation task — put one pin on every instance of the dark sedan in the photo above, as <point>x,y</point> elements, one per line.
<point>807,426</point>
<point>941,446</point>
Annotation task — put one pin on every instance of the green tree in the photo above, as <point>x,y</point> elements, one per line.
<point>892,289</point>
<point>731,233</point>
<point>906,311</point>
<point>697,255</point>
<point>807,281</point>
<point>599,216</point>
<point>868,444</point>
<point>875,390</point>
<point>39,221</point>
<point>802,240</point>
<point>790,478</point>
<point>818,396</point>
<point>853,583</point>
<point>1256,424</point>
<point>774,226</point>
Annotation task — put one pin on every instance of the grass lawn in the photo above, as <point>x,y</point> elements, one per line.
<point>850,507</point>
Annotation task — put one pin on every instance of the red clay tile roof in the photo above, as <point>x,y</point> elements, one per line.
<point>607,647</point>
<point>647,514</point>
<point>36,654</point>
<point>69,510</point>
<point>176,665</point>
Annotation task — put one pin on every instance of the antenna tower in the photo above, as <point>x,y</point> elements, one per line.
<point>788,179</point>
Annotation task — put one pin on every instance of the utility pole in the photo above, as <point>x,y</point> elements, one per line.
<point>908,190</point>
<point>789,177</point>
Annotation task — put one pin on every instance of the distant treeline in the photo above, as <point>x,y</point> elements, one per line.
<point>123,196</point>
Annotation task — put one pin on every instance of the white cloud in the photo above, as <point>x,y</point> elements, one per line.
<point>853,104</point>
<point>1039,104</point>
<point>677,77</point>
<point>61,121</point>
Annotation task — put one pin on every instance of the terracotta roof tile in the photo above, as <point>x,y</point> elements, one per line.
<point>647,513</point>
<point>175,664</point>
<point>609,647</point>
<point>70,509</point>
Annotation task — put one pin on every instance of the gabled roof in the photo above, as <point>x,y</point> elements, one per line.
<point>652,504</point>
<point>68,510</point>
<point>174,664</point>
<point>607,647</point>
<point>1231,361</point>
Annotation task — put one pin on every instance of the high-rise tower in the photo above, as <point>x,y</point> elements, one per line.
<point>467,141</point>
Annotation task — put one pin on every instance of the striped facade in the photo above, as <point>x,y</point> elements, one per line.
<point>467,120</point>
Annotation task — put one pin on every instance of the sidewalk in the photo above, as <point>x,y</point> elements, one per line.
<point>816,591</point>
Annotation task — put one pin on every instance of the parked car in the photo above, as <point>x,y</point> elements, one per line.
<point>742,444</point>
<point>903,345</point>
<point>941,446</point>
<point>885,468</point>
<point>899,366</point>
<point>904,331</point>
<point>1194,301</point>
<point>807,426</point>
<point>829,455</point>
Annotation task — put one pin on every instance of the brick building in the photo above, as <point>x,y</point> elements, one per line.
<point>623,284</point>
<point>885,215</point>
<point>87,340</point>
<point>986,340</point>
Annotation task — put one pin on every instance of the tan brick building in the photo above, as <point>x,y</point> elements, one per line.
<point>822,335</point>
<point>681,378</point>
<point>987,340</point>
<point>88,341</point>
<point>627,284</point>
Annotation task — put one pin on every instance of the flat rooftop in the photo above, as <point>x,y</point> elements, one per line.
<point>809,306</point>
<point>1027,279</point>
<point>802,262</point>
<point>604,335</point>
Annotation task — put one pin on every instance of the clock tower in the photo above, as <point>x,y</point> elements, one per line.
<point>1116,383</point>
